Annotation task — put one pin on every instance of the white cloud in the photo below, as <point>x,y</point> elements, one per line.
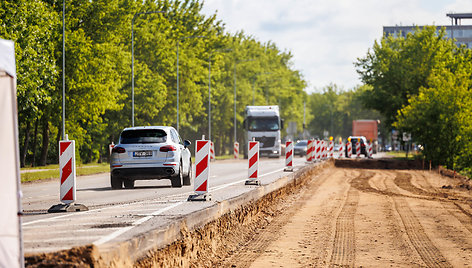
<point>326,37</point>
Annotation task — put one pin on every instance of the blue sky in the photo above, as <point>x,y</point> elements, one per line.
<point>326,37</point>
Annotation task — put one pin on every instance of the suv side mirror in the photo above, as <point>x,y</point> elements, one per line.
<point>187,143</point>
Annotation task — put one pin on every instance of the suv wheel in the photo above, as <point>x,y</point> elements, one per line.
<point>129,184</point>
<point>116,182</point>
<point>177,180</point>
<point>188,177</point>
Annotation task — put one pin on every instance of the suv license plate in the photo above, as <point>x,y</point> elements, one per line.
<point>142,154</point>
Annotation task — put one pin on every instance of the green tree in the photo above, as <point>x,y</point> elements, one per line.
<point>397,67</point>
<point>440,116</point>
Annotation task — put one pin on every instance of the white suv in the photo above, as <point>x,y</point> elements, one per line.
<point>154,152</point>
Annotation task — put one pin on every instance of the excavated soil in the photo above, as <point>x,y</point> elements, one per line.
<point>368,218</point>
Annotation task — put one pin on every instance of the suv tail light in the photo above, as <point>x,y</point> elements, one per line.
<point>118,150</point>
<point>167,148</point>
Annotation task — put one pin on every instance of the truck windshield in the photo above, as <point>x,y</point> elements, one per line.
<point>263,123</point>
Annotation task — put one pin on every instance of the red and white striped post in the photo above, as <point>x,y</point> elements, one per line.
<point>67,171</point>
<point>288,156</point>
<point>341,150</point>
<point>318,150</point>
<point>212,151</point>
<point>325,150</point>
<point>67,189</point>
<point>358,149</point>
<point>202,171</point>
<point>369,152</point>
<point>349,149</point>
<point>309,151</point>
<point>330,149</point>
<point>236,150</point>
<point>253,157</point>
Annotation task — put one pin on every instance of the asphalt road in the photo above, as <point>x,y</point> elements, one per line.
<point>115,215</point>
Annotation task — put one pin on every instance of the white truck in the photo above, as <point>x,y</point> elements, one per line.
<point>263,123</point>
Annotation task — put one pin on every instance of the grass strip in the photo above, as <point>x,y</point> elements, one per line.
<point>52,171</point>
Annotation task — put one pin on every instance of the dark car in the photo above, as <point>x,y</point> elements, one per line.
<point>300,148</point>
<point>354,141</point>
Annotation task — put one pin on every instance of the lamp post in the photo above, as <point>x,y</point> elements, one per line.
<point>234,76</point>
<point>63,72</point>
<point>209,88</point>
<point>132,59</point>
<point>254,86</point>
<point>178,41</point>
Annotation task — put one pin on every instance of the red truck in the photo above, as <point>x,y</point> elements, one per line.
<point>368,129</point>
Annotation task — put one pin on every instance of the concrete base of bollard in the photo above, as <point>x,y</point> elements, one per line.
<point>253,182</point>
<point>67,208</point>
<point>199,197</point>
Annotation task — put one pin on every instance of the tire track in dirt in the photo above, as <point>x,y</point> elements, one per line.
<point>250,251</point>
<point>396,228</point>
<point>404,181</point>
<point>428,252</point>
<point>326,229</point>
<point>344,245</point>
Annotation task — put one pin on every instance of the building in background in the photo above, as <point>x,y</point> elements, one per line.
<point>462,33</point>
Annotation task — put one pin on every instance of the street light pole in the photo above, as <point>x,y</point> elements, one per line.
<point>63,72</point>
<point>234,83</point>
<point>209,88</point>
<point>178,41</point>
<point>132,59</point>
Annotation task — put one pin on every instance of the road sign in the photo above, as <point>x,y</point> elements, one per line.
<point>406,136</point>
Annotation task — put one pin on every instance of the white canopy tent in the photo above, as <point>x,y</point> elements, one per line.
<point>11,253</point>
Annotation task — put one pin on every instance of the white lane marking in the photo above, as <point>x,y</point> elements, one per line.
<point>216,188</point>
<point>117,233</point>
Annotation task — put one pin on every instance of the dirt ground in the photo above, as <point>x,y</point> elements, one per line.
<point>367,218</point>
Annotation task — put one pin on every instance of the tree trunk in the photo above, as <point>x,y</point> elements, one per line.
<point>44,150</point>
<point>24,150</point>
<point>35,138</point>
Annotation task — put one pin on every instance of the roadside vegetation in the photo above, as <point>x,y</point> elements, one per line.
<point>421,84</point>
<point>98,73</point>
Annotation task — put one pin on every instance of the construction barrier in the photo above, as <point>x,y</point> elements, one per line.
<point>318,150</point>
<point>67,175</point>
<point>349,149</point>
<point>202,171</point>
<point>212,151</point>
<point>288,156</point>
<point>67,171</point>
<point>325,150</point>
<point>309,150</point>
<point>358,149</point>
<point>369,151</point>
<point>236,150</point>
<point>330,149</point>
<point>253,157</point>
<point>341,150</point>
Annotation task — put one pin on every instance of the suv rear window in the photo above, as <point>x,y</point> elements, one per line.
<point>143,136</point>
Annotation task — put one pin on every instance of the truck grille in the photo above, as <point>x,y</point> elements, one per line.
<point>266,141</point>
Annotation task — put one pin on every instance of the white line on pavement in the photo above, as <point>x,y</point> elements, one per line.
<point>215,188</point>
<point>117,233</point>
